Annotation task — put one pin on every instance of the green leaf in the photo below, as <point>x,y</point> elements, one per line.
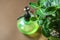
<point>40,2</point>
<point>41,13</point>
<point>45,32</point>
<point>58,12</point>
<point>53,8</point>
<point>33,5</point>
<point>45,28</point>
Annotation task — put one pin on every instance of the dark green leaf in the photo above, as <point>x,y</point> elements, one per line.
<point>33,5</point>
<point>53,8</point>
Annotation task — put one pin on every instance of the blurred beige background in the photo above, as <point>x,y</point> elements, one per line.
<point>9,11</point>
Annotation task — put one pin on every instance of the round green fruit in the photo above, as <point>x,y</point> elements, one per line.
<point>27,27</point>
